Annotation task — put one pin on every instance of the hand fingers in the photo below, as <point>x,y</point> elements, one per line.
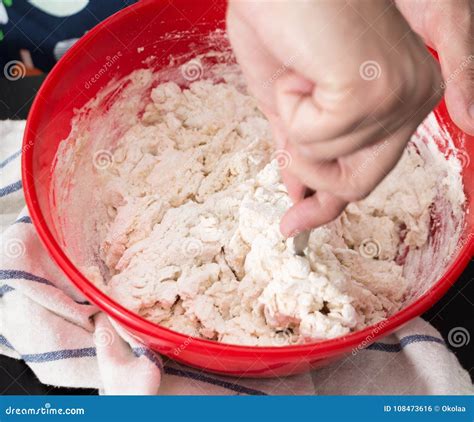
<point>448,27</point>
<point>353,177</point>
<point>314,211</point>
<point>314,114</point>
<point>261,69</point>
<point>258,65</point>
<point>367,134</point>
<point>293,185</point>
<point>347,144</point>
<point>321,175</point>
<point>456,54</point>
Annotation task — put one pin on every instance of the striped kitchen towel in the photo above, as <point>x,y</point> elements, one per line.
<point>69,342</point>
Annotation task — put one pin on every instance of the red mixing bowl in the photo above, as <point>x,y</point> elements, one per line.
<point>69,87</point>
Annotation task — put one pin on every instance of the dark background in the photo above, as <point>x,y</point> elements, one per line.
<point>455,309</point>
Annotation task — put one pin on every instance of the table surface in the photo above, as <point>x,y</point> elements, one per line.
<point>455,309</point>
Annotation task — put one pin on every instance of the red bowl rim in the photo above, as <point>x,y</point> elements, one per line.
<point>135,322</point>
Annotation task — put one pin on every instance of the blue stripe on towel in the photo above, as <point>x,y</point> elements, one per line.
<point>5,342</point>
<point>7,190</point>
<point>24,219</point>
<point>19,275</point>
<point>59,355</point>
<point>206,378</point>
<point>405,341</point>
<point>52,356</point>
<point>5,288</point>
<point>9,159</point>
<point>143,351</point>
<point>384,347</point>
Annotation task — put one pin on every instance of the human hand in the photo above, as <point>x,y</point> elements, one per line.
<point>344,85</point>
<point>448,27</point>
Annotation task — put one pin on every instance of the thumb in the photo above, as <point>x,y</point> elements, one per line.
<point>294,187</point>
<point>456,54</point>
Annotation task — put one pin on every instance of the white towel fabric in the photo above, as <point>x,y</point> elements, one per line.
<point>69,342</point>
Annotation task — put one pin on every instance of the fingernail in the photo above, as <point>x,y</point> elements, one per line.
<point>287,233</point>
<point>294,233</point>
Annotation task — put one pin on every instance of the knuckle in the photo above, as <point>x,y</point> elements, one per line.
<point>301,134</point>
<point>469,71</point>
<point>356,183</point>
<point>405,88</point>
<point>356,195</point>
<point>353,189</point>
<point>318,153</point>
<point>428,84</point>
